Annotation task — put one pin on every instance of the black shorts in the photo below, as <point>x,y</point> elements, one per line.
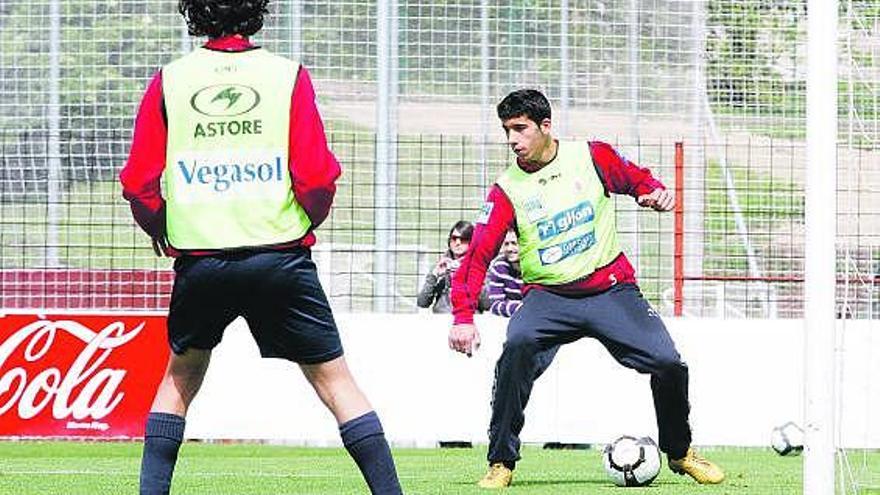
<point>277,293</point>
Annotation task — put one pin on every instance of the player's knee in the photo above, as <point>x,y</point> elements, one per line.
<point>669,364</point>
<point>521,342</point>
<point>331,378</point>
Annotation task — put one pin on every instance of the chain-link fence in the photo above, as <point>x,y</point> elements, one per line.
<point>407,90</point>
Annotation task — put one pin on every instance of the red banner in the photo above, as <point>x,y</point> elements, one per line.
<point>79,375</point>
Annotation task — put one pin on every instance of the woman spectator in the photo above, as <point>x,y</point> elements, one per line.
<point>435,291</point>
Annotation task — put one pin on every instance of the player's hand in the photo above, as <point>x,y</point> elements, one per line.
<point>464,338</point>
<point>659,199</point>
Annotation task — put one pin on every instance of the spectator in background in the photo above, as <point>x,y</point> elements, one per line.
<point>435,291</point>
<point>504,280</point>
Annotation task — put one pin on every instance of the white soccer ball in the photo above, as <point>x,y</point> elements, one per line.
<point>631,461</point>
<point>787,439</point>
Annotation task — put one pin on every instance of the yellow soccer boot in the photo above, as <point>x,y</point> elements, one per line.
<point>497,477</point>
<point>702,470</point>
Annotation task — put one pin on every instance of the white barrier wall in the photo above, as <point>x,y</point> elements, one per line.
<point>745,378</point>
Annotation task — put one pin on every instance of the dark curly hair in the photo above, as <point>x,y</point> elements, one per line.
<point>218,18</point>
<point>529,102</point>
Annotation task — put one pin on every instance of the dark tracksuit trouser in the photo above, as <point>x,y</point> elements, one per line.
<point>624,323</point>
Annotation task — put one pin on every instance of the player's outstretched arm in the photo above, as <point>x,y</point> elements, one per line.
<point>464,338</point>
<point>621,176</point>
<point>659,199</point>
<point>495,220</point>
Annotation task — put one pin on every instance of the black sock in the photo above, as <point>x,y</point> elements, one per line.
<point>161,444</point>
<point>365,441</point>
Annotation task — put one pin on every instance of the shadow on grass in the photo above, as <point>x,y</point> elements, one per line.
<point>569,482</point>
<point>585,482</point>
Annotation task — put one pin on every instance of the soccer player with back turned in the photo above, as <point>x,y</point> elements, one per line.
<point>578,283</point>
<point>229,172</point>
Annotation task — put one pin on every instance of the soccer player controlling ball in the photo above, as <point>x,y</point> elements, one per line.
<point>229,172</point>
<point>578,283</point>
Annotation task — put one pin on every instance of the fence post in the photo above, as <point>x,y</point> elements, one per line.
<point>678,256</point>
<point>383,192</point>
<point>564,72</point>
<point>484,93</point>
<point>633,40</point>
<point>697,151</point>
<point>53,151</point>
<point>294,26</point>
<point>820,216</point>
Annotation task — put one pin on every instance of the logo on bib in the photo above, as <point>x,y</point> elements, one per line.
<point>221,177</point>
<point>566,220</point>
<point>534,209</point>
<point>558,252</point>
<point>225,100</point>
<point>485,212</point>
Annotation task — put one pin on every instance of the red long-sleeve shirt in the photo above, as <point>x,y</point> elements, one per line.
<point>312,166</point>
<point>618,175</point>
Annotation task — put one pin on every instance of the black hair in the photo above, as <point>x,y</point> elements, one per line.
<point>464,228</point>
<point>218,18</point>
<point>529,102</point>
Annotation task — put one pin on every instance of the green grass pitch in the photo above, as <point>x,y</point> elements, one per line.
<point>71,468</point>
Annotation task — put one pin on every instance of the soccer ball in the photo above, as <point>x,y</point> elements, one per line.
<point>787,439</point>
<point>631,461</point>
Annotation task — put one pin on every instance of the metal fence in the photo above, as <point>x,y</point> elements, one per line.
<point>407,90</point>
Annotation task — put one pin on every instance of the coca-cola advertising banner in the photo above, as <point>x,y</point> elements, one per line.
<point>83,375</point>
